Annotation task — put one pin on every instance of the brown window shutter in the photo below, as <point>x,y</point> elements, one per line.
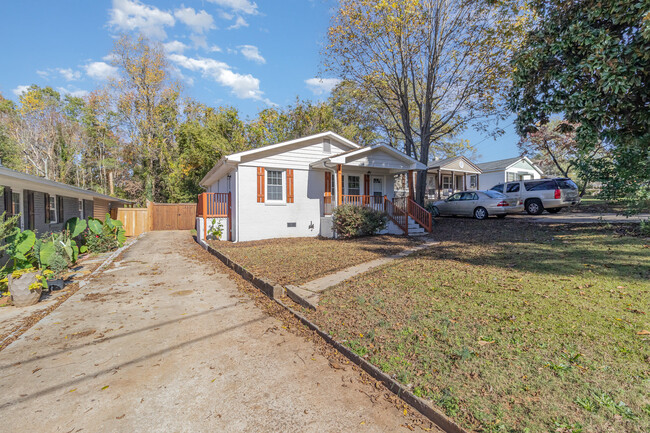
<point>366,184</point>
<point>328,182</point>
<point>289,185</point>
<point>59,208</point>
<point>46,196</point>
<point>30,210</point>
<point>260,184</point>
<point>9,204</point>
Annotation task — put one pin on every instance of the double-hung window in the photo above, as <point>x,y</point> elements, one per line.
<point>274,185</point>
<point>53,212</point>
<point>446,182</point>
<point>354,185</point>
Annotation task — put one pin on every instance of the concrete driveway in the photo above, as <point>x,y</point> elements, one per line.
<point>165,341</point>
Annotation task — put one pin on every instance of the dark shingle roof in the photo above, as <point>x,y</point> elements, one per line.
<point>500,164</point>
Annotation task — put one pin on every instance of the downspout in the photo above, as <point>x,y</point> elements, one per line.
<point>237,204</point>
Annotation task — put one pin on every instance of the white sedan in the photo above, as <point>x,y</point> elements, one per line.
<point>479,204</point>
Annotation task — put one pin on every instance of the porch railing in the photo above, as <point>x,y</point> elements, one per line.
<point>371,201</point>
<point>420,215</point>
<point>214,205</point>
<point>397,215</point>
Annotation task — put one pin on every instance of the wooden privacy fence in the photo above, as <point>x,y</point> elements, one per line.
<point>157,216</point>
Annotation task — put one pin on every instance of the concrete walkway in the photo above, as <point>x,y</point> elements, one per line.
<point>164,341</point>
<point>308,294</point>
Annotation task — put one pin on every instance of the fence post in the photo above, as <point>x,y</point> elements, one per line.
<point>204,200</point>
<point>229,220</point>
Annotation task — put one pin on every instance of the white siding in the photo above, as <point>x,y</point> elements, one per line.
<point>265,221</point>
<point>488,180</point>
<point>298,158</point>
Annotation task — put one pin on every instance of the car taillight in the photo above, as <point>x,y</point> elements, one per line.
<point>503,203</point>
<point>558,193</point>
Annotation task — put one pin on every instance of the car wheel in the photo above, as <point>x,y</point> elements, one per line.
<point>480,213</point>
<point>502,216</point>
<point>554,210</point>
<point>435,211</point>
<point>534,207</point>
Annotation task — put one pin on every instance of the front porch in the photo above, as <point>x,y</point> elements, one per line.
<point>448,176</point>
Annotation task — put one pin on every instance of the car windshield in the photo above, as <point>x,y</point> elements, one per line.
<point>494,194</point>
<point>566,184</point>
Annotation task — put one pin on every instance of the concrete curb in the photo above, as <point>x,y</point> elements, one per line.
<point>275,292</point>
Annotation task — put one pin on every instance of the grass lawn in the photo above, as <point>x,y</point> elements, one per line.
<point>299,260</point>
<point>510,326</point>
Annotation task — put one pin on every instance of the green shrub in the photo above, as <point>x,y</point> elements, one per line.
<point>100,236</point>
<point>645,227</point>
<point>353,221</point>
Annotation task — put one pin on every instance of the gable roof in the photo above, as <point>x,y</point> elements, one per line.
<point>504,164</point>
<point>343,157</point>
<point>31,179</point>
<point>236,157</point>
<point>442,163</point>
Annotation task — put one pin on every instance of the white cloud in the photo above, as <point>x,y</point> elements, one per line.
<point>242,86</point>
<point>100,70</point>
<point>251,52</point>
<point>109,57</point>
<point>175,47</point>
<point>320,86</point>
<point>214,49</point>
<point>19,90</point>
<point>199,22</point>
<point>69,74</point>
<point>133,15</point>
<point>77,93</point>
<point>43,74</point>
<point>239,22</point>
<point>199,41</point>
<point>243,6</point>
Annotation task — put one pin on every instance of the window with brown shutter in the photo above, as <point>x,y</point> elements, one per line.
<point>366,184</point>
<point>8,202</point>
<point>328,182</point>
<point>260,184</point>
<point>289,185</point>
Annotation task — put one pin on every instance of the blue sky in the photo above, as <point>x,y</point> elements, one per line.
<point>245,53</point>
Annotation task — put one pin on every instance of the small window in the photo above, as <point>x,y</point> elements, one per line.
<point>15,203</point>
<point>472,181</point>
<point>513,187</point>
<point>497,188</point>
<point>510,177</point>
<point>274,190</point>
<point>446,182</point>
<point>291,224</point>
<point>540,185</point>
<point>354,185</point>
<point>53,212</point>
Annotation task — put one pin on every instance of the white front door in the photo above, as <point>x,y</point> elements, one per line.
<point>377,187</point>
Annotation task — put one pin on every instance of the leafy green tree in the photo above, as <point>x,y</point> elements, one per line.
<point>9,149</point>
<point>589,61</point>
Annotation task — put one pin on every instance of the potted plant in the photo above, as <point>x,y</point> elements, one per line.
<point>216,230</point>
<point>26,286</point>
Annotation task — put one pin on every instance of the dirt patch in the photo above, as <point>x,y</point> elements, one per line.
<point>182,293</point>
<point>81,334</point>
<point>101,296</point>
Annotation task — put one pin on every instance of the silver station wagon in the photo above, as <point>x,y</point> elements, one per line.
<point>479,204</point>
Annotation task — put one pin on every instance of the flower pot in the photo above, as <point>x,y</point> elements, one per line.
<point>21,293</point>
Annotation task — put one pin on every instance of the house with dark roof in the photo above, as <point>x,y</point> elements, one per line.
<point>506,170</point>
<point>44,205</point>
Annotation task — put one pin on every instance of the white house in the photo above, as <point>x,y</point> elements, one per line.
<point>505,170</point>
<point>289,189</point>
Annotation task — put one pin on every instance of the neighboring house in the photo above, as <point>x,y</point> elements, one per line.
<point>447,176</point>
<point>505,170</point>
<point>290,189</point>
<point>45,205</point>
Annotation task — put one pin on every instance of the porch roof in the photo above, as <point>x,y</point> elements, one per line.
<point>456,163</point>
<point>379,156</point>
